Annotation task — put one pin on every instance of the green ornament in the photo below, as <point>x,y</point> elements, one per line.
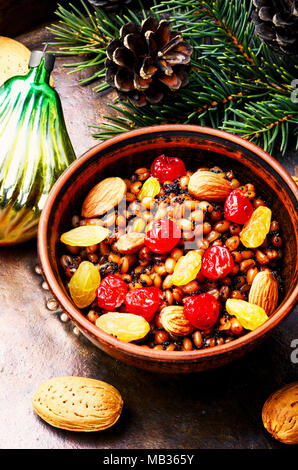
<point>35,148</point>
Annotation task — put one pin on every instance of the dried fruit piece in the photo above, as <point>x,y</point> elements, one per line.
<point>83,284</point>
<point>78,403</point>
<point>130,243</point>
<point>124,326</point>
<point>143,301</point>
<point>202,311</point>
<point>174,321</point>
<point>186,268</point>
<point>150,188</point>
<point>103,197</point>
<point>163,236</point>
<point>85,235</point>
<point>250,316</point>
<point>167,168</point>
<point>280,414</point>
<point>264,291</point>
<point>255,230</point>
<point>217,262</point>
<point>111,292</point>
<point>209,186</point>
<point>238,208</point>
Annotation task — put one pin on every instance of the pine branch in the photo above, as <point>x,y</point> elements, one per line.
<point>206,100</point>
<point>266,121</point>
<point>236,82</point>
<point>78,34</point>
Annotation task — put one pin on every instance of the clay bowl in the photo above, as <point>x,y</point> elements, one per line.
<point>198,146</point>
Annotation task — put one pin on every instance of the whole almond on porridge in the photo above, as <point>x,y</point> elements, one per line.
<point>130,243</point>
<point>103,197</point>
<point>208,185</point>
<point>174,321</point>
<point>78,403</point>
<point>264,291</point>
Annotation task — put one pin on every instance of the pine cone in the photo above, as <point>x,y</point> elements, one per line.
<point>147,62</point>
<point>109,5</point>
<point>276,23</point>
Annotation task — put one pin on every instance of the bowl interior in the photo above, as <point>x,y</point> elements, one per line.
<point>197,147</point>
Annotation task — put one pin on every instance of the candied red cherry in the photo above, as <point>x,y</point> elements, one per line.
<point>238,208</point>
<point>217,262</point>
<point>143,301</point>
<point>111,292</point>
<point>167,168</point>
<point>201,311</point>
<point>163,236</point>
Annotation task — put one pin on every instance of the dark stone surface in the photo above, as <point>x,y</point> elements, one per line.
<point>216,409</point>
<point>17,16</point>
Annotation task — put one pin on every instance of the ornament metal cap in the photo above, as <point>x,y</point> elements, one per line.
<point>36,56</point>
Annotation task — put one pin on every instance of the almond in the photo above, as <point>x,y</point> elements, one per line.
<point>209,186</point>
<point>130,243</point>
<point>264,292</point>
<point>280,414</point>
<point>174,321</point>
<point>103,197</point>
<point>78,403</point>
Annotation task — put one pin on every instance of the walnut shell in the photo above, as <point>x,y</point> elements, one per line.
<point>280,414</point>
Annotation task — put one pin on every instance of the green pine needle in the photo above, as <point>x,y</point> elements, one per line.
<point>236,82</point>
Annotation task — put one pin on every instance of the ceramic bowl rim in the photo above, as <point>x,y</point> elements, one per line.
<point>133,349</point>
